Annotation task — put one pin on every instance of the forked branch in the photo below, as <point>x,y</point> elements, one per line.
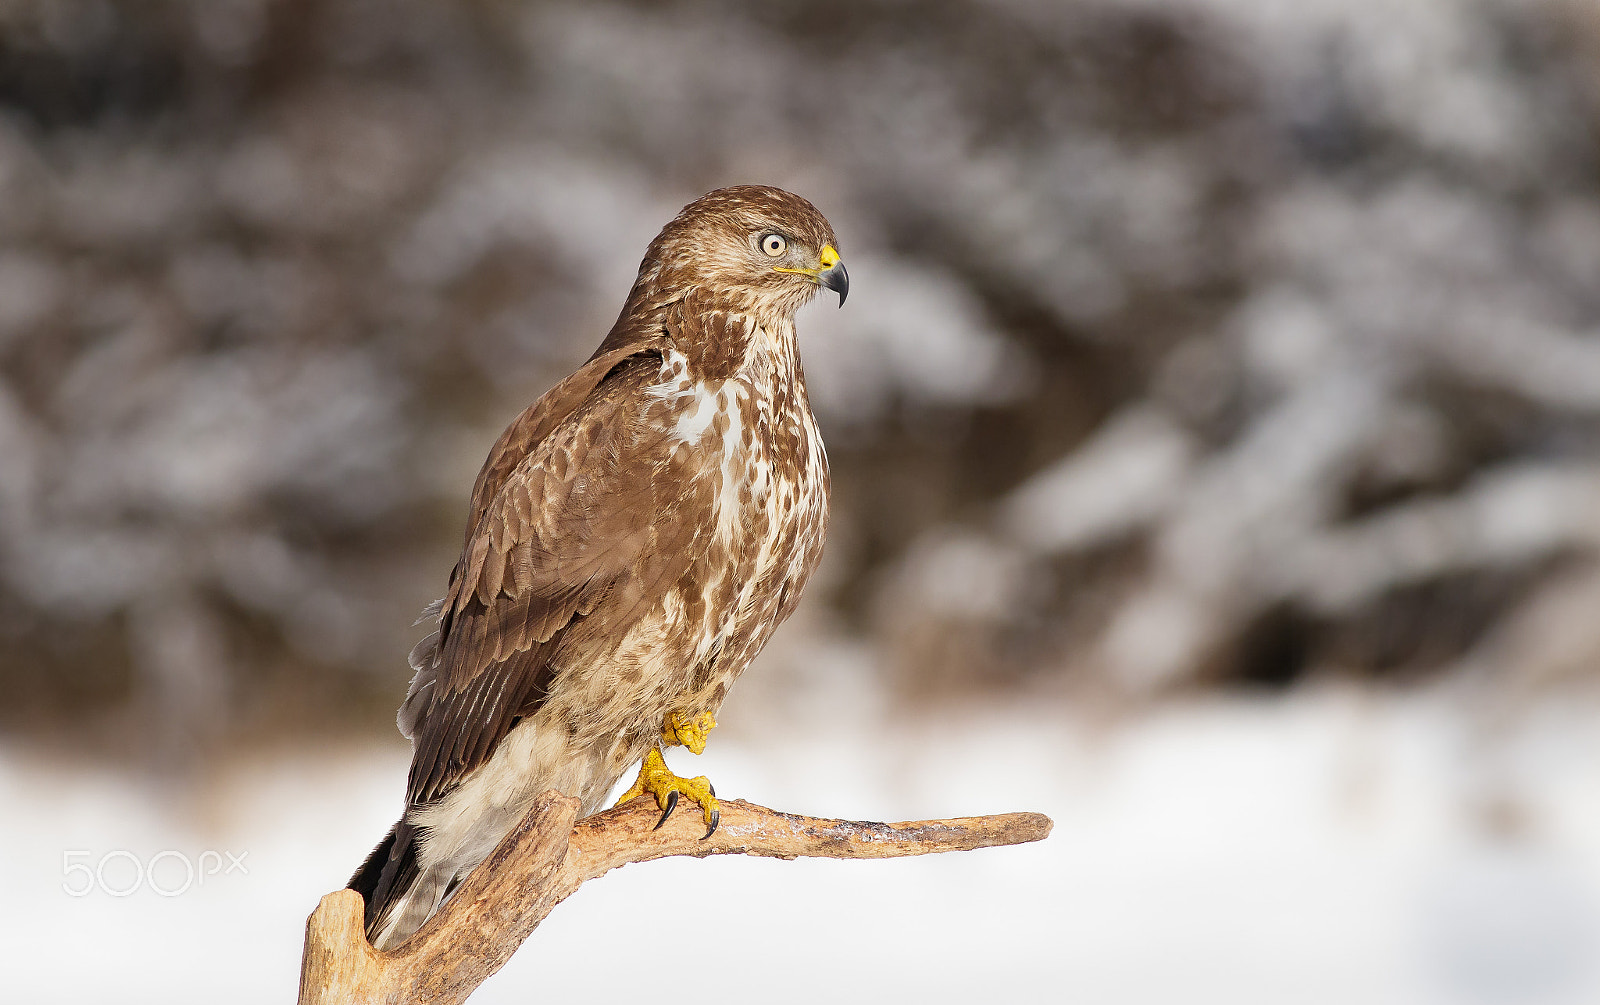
<point>551,853</point>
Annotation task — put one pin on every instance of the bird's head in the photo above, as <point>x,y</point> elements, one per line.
<point>765,250</point>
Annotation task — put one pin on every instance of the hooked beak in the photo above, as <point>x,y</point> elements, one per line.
<point>828,274</point>
<point>832,276</point>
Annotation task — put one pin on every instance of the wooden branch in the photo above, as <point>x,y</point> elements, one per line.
<point>551,853</point>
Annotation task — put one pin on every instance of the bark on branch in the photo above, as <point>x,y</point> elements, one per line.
<point>551,853</point>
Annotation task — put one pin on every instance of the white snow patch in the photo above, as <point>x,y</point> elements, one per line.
<point>1315,849</point>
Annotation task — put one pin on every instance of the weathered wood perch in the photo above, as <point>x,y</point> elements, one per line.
<point>551,853</point>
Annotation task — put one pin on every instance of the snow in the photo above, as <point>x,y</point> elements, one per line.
<point>1339,845</point>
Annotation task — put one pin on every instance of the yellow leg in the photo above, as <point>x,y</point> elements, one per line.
<point>656,779</point>
<point>677,730</point>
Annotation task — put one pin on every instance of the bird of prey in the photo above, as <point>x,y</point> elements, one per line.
<point>633,539</point>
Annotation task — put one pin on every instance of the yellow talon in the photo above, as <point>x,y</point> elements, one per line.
<point>656,779</point>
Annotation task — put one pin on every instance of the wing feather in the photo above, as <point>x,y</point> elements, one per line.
<point>583,521</point>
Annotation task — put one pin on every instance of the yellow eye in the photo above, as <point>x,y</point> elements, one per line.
<point>774,245</point>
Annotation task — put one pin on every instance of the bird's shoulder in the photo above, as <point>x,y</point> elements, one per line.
<point>593,387</point>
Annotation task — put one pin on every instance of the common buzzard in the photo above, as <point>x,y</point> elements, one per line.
<point>634,538</point>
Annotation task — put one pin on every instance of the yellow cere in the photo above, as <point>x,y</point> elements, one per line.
<point>827,260</point>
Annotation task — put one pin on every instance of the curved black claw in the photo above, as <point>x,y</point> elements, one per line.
<point>716,818</point>
<point>713,789</point>
<point>672,804</point>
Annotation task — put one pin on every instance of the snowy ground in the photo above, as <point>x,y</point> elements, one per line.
<point>1333,847</point>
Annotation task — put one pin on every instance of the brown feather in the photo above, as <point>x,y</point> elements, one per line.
<point>632,540</point>
<point>573,550</point>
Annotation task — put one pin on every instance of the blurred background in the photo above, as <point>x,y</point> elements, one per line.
<point>1213,430</point>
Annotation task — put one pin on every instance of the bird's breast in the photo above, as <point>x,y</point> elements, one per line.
<point>752,450</point>
<point>757,457</point>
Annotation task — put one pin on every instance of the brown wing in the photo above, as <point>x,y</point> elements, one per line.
<point>588,522</point>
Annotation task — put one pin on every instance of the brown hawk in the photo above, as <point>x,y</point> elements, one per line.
<point>634,538</point>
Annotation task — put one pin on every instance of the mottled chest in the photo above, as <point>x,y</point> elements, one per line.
<point>752,435</point>
<point>759,467</point>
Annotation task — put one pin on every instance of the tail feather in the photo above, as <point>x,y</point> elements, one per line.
<point>391,884</point>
